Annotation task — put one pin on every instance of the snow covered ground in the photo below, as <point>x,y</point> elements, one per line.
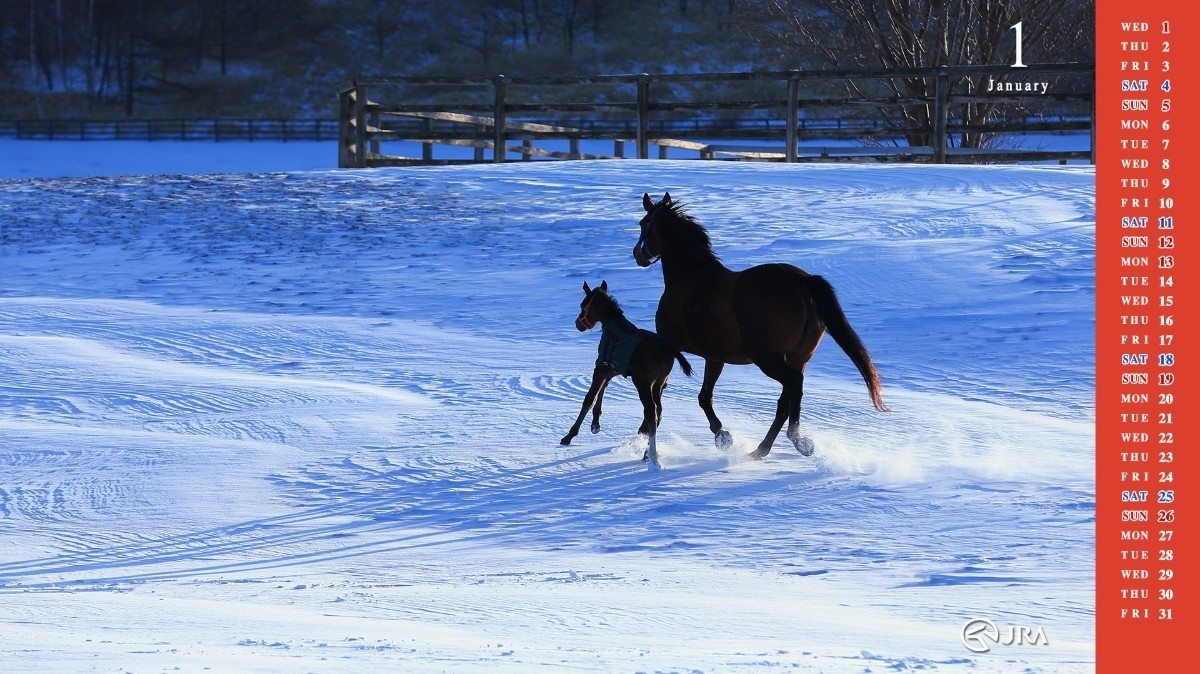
<point>83,158</point>
<point>308,421</point>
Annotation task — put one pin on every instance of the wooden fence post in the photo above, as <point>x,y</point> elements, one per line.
<point>793,113</point>
<point>360,126</point>
<point>352,123</point>
<point>427,146</point>
<point>643,116</point>
<point>345,110</point>
<point>941,113</point>
<point>501,86</point>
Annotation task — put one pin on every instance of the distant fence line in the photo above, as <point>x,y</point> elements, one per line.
<point>171,129</point>
<point>508,115</point>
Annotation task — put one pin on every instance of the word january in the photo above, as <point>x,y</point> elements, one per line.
<point>1017,87</point>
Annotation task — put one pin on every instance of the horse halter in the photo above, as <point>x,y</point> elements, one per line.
<point>583,323</point>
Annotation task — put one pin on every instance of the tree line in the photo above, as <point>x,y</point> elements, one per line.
<point>145,57</point>
<point>285,58</point>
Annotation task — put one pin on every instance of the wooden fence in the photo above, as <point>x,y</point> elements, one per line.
<point>781,119</point>
<point>171,129</point>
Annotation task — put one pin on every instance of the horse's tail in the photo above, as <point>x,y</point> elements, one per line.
<point>683,363</point>
<point>830,312</point>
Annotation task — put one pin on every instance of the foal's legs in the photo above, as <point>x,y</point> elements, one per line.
<point>712,372</point>
<point>657,390</point>
<point>604,381</point>
<point>649,427</point>
<point>595,395</point>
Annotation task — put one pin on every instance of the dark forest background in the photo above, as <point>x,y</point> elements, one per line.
<point>286,58</point>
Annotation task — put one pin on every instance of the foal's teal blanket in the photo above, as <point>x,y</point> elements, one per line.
<point>618,340</point>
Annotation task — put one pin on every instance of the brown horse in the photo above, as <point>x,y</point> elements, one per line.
<point>625,350</point>
<point>772,315</point>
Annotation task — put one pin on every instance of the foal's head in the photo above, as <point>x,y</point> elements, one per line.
<point>597,306</point>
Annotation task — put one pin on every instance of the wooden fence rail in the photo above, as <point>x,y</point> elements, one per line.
<point>689,112</point>
<point>171,129</point>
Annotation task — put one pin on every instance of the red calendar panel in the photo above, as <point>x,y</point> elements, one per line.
<point>1146,405</point>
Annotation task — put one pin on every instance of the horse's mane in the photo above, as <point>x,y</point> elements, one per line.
<point>691,234</point>
<point>616,306</point>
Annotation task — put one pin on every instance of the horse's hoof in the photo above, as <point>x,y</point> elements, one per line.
<point>805,446</point>
<point>565,441</point>
<point>646,455</point>
<point>724,440</point>
<point>760,453</point>
<point>595,428</point>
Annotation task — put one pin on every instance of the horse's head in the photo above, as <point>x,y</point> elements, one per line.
<point>594,307</point>
<point>669,233</point>
<point>649,244</point>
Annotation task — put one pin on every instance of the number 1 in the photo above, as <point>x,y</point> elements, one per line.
<point>1018,63</point>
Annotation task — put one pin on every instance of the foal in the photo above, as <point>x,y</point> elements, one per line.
<point>627,351</point>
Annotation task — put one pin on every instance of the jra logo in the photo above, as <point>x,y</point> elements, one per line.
<point>980,634</point>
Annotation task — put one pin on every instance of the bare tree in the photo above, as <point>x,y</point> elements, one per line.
<point>922,33</point>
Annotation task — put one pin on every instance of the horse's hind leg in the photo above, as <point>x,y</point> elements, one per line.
<point>649,427</point>
<point>594,395</point>
<point>712,372</point>
<point>604,380</point>
<point>781,413</point>
<point>786,408</point>
<point>657,391</point>
<point>803,444</point>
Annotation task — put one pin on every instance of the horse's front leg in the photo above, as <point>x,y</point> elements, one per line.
<point>595,392</point>
<point>712,372</point>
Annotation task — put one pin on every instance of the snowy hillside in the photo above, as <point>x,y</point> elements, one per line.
<point>309,421</point>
